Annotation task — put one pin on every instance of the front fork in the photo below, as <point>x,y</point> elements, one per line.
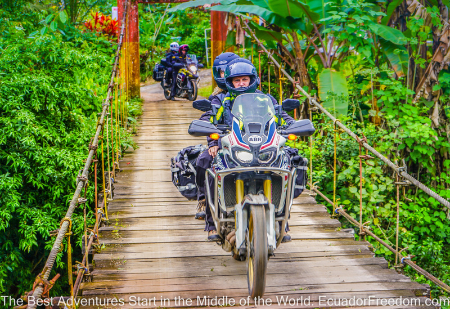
<point>270,217</point>
<point>241,216</point>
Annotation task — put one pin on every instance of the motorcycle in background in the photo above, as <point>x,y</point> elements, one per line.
<point>253,180</point>
<point>186,81</point>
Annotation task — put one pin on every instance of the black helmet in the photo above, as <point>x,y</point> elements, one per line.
<point>219,65</point>
<point>241,67</point>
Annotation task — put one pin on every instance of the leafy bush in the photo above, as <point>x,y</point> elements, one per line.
<point>52,89</point>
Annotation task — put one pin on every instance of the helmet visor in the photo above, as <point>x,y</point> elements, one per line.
<point>219,71</point>
<point>240,69</point>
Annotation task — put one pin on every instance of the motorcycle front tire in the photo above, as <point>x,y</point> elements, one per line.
<point>257,252</point>
<point>166,90</point>
<point>192,96</point>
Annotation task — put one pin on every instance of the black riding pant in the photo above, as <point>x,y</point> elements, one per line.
<point>204,161</point>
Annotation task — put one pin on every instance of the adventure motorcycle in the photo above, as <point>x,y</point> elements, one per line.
<point>254,179</point>
<point>187,79</point>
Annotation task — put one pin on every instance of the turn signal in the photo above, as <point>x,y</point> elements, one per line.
<point>214,136</point>
<point>292,137</point>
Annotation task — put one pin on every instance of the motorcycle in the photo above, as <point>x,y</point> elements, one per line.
<point>253,179</point>
<point>186,81</point>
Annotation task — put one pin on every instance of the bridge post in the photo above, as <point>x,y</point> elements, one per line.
<point>218,35</point>
<point>132,61</point>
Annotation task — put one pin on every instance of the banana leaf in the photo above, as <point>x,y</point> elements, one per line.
<point>333,92</point>
<point>390,34</point>
<point>390,10</point>
<point>196,3</point>
<point>397,56</point>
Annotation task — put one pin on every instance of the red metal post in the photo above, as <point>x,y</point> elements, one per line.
<point>131,45</point>
<point>218,35</point>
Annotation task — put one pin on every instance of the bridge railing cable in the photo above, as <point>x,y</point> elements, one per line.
<point>401,171</point>
<point>42,285</point>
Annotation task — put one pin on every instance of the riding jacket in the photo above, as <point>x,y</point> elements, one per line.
<point>171,58</point>
<point>216,99</point>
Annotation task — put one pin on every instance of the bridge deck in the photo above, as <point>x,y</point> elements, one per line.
<point>154,248</point>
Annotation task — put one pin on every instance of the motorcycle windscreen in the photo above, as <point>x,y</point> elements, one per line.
<point>253,107</point>
<point>191,58</point>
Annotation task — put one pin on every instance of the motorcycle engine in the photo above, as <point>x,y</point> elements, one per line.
<point>180,79</point>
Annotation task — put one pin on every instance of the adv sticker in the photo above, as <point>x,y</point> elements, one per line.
<point>255,139</point>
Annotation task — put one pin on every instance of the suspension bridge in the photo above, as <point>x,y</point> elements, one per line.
<point>146,250</point>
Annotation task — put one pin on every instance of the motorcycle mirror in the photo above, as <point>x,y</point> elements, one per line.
<point>203,105</point>
<point>290,104</point>
<point>202,128</point>
<point>301,128</point>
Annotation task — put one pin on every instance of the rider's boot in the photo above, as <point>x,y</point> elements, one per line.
<point>201,210</point>
<point>213,236</point>
<point>286,238</point>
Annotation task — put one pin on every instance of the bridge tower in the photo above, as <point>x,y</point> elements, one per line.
<point>131,47</point>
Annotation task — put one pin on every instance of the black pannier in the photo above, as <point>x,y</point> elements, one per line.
<point>158,72</point>
<point>302,170</point>
<point>183,170</point>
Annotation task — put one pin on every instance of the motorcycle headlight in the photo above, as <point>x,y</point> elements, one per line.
<point>193,69</point>
<point>243,156</point>
<point>266,157</point>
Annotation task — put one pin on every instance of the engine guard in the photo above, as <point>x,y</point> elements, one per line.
<point>214,206</point>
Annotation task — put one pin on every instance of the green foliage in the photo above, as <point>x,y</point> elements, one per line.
<point>52,88</point>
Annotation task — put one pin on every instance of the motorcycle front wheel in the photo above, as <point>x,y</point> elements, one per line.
<point>192,96</point>
<point>257,254</point>
<point>166,93</point>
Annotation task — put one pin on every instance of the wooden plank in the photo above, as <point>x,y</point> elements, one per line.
<point>159,238</point>
<point>150,224</point>
<point>311,290</point>
<point>119,252</point>
<point>316,276</point>
<point>200,271</point>
<point>222,264</point>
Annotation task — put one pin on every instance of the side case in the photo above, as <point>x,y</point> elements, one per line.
<point>183,170</point>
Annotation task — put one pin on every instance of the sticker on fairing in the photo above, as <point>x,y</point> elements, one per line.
<point>255,139</point>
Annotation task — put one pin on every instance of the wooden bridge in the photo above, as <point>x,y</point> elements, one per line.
<point>153,249</point>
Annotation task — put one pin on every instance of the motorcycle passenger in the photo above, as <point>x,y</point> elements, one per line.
<point>170,60</point>
<point>204,160</point>
<point>240,77</point>
<point>179,61</point>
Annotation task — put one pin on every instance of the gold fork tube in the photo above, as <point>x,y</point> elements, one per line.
<point>239,191</point>
<point>268,189</point>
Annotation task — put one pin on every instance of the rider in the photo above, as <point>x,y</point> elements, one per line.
<point>205,159</point>
<point>240,77</point>
<point>180,60</point>
<point>170,60</point>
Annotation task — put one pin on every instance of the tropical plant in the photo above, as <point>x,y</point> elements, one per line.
<point>102,24</point>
